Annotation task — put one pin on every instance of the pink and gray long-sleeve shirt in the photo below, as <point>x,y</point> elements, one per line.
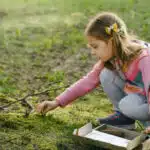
<point>137,76</point>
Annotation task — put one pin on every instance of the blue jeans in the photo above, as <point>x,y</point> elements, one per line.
<point>134,105</point>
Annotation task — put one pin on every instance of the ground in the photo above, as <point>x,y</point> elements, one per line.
<point>42,47</point>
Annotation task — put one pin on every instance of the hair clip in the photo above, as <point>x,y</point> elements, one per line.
<point>113,27</point>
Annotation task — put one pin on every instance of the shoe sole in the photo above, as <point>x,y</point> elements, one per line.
<point>128,127</point>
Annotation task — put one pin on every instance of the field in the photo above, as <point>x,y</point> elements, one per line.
<point>43,50</point>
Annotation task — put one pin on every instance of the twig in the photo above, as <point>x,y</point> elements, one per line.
<point>25,103</point>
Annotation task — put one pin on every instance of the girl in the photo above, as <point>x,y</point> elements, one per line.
<point>122,69</point>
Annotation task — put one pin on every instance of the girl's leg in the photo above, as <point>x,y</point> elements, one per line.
<point>113,86</point>
<point>135,106</point>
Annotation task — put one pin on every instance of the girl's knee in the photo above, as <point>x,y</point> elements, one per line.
<point>106,76</point>
<point>132,106</point>
<point>126,105</point>
<point>131,101</point>
<point>126,108</point>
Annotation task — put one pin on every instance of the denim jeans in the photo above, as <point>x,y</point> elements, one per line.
<point>134,105</point>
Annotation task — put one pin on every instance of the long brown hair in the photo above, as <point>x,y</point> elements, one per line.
<point>123,48</point>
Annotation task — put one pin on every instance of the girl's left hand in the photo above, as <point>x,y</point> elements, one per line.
<point>147,130</point>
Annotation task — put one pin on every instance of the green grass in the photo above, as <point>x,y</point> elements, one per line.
<point>41,42</point>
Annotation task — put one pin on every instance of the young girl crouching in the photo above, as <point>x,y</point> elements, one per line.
<point>122,69</point>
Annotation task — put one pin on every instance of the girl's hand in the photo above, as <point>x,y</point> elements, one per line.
<point>147,130</point>
<point>46,106</point>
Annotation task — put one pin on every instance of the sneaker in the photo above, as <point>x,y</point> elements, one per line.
<point>119,120</point>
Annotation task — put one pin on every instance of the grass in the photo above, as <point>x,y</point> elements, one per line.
<point>41,42</point>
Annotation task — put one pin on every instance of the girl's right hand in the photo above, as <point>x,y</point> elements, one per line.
<point>46,106</point>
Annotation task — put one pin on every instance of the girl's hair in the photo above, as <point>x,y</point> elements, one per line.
<point>103,27</point>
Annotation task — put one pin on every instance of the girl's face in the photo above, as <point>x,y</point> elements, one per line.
<point>100,48</point>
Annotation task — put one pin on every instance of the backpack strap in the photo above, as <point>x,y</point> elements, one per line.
<point>133,68</point>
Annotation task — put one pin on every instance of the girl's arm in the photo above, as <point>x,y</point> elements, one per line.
<point>82,86</point>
